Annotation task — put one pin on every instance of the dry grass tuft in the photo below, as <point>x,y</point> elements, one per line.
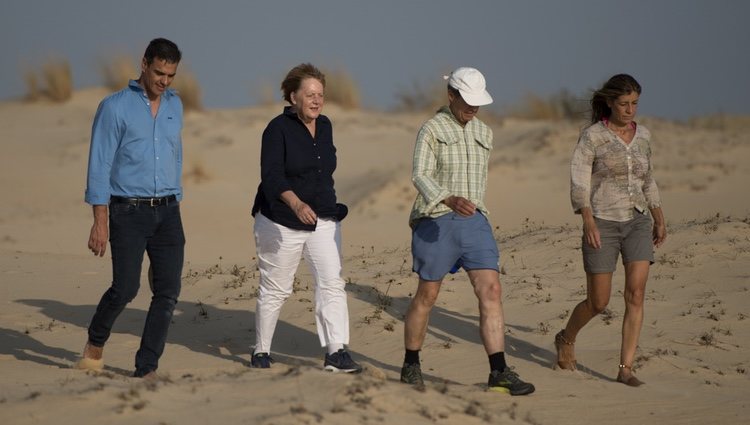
<point>341,89</point>
<point>559,106</point>
<point>33,91</point>
<point>198,173</point>
<point>421,98</point>
<point>189,89</point>
<point>117,71</point>
<point>267,95</point>
<point>57,78</point>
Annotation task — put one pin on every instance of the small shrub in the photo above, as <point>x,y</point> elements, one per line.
<point>33,92</point>
<point>198,173</point>
<point>420,97</point>
<point>559,106</point>
<point>58,80</point>
<point>117,71</point>
<point>187,86</point>
<point>341,89</point>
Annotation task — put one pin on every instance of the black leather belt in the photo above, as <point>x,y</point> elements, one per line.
<point>152,202</point>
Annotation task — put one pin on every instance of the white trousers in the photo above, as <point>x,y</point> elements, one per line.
<point>279,251</point>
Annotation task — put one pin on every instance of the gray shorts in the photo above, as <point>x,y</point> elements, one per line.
<point>632,238</point>
<point>444,244</point>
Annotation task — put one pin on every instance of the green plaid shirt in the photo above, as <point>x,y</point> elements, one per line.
<point>449,160</point>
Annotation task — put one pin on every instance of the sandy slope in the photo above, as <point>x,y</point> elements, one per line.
<point>693,351</point>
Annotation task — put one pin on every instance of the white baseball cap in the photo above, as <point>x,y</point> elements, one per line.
<point>470,83</point>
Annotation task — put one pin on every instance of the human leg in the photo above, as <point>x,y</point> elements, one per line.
<point>166,251</point>
<point>599,264</point>
<point>637,256</point>
<point>636,275</point>
<point>129,228</point>
<point>598,289</point>
<point>322,251</point>
<point>486,283</point>
<point>418,313</point>
<point>279,251</point>
<point>415,329</point>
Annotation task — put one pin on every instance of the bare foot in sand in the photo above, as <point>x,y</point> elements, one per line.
<point>566,355</point>
<point>151,376</point>
<point>92,358</point>
<point>626,377</point>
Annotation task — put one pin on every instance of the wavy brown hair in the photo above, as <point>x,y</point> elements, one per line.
<point>294,78</point>
<point>618,85</point>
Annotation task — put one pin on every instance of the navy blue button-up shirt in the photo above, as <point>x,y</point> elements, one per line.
<point>132,153</point>
<point>292,159</point>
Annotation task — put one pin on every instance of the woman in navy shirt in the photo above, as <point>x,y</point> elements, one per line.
<point>296,214</point>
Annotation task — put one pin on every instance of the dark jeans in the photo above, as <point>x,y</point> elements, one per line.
<point>133,230</point>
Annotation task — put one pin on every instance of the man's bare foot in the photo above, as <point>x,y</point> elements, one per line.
<point>91,359</point>
<point>92,352</point>
<point>626,377</point>
<point>151,376</point>
<point>566,355</point>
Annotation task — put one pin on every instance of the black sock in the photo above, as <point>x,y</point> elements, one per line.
<point>411,357</point>
<point>497,361</point>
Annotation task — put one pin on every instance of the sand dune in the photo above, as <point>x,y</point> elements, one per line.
<point>693,349</point>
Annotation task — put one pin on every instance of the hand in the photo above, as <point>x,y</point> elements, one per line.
<point>304,213</point>
<point>660,233</point>
<point>591,234</point>
<point>460,205</point>
<point>98,238</point>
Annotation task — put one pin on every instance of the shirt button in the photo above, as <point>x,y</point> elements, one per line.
<point>157,157</point>
<point>318,157</point>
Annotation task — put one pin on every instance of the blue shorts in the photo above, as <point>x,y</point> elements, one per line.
<point>439,244</point>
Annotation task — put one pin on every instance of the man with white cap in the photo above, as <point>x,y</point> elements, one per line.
<point>450,229</point>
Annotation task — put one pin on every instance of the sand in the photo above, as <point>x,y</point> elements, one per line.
<point>692,353</point>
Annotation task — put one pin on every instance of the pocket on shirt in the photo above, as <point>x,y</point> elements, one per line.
<point>485,142</point>
<point>448,140</point>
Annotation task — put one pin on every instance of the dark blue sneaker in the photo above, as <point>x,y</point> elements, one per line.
<point>341,361</point>
<point>508,382</point>
<point>261,360</point>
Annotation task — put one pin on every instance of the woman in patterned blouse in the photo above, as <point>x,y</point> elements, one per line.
<point>613,189</point>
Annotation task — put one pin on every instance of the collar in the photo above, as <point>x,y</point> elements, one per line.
<point>447,111</point>
<point>290,112</point>
<point>133,85</point>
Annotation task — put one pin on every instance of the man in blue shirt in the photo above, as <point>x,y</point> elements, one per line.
<point>134,187</point>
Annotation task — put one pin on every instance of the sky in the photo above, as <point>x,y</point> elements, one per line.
<point>691,57</point>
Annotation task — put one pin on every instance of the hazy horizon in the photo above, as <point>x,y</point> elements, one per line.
<point>690,56</point>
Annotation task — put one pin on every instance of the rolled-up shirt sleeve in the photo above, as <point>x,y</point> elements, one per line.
<point>580,174</point>
<point>423,170</point>
<point>105,138</point>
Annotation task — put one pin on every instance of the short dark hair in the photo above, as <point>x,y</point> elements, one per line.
<point>454,91</point>
<point>616,86</point>
<point>294,78</point>
<point>163,49</point>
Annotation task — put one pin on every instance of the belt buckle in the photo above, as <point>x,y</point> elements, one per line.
<point>154,202</point>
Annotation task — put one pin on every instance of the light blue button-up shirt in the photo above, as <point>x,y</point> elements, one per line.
<point>132,153</point>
